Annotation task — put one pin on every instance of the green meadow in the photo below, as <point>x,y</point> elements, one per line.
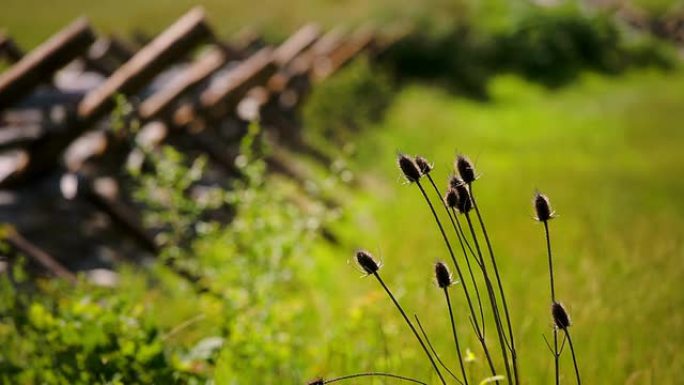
<point>606,149</point>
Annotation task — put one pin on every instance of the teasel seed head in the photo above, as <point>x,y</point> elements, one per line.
<point>367,262</point>
<point>464,202</point>
<point>409,168</point>
<point>455,181</point>
<point>465,169</point>
<point>442,275</point>
<point>451,198</point>
<point>560,316</point>
<point>542,206</point>
<point>423,165</point>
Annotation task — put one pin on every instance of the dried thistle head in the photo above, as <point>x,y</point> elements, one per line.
<point>423,165</point>
<point>367,262</point>
<point>442,275</point>
<point>542,207</point>
<point>455,181</point>
<point>560,316</point>
<point>451,198</point>
<point>465,169</point>
<point>409,168</point>
<point>464,203</point>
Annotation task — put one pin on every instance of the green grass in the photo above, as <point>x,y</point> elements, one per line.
<point>32,21</point>
<point>608,153</point>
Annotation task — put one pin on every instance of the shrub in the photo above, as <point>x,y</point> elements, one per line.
<point>351,99</point>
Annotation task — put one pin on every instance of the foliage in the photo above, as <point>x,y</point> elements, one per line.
<point>549,45</point>
<point>161,329</point>
<point>86,337</point>
<point>353,98</point>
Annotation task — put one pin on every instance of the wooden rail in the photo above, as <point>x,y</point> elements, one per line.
<point>40,64</point>
<point>176,41</point>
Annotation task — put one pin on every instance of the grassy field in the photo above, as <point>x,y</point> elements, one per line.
<point>606,151</point>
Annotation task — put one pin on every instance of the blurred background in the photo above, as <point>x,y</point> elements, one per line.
<point>183,185</point>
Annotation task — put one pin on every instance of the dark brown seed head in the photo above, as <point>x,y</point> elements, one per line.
<point>451,198</point>
<point>465,169</point>
<point>455,181</point>
<point>560,316</point>
<point>318,381</point>
<point>409,168</point>
<point>367,262</point>
<point>464,203</point>
<point>442,275</point>
<point>423,165</point>
<point>543,207</point>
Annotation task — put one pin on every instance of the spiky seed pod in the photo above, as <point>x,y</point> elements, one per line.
<point>367,262</point>
<point>409,168</point>
<point>455,181</point>
<point>543,207</point>
<point>442,275</point>
<point>451,198</point>
<point>423,165</point>
<point>464,203</point>
<point>560,316</point>
<point>318,381</point>
<point>465,169</point>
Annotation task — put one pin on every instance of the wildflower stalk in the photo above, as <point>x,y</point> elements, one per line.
<point>462,241</point>
<point>492,299</point>
<point>434,352</point>
<point>574,358</point>
<point>367,374</point>
<point>453,330</point>
<point>514,355</point>
<point>410,324</point>
<point>473,315</point>
<point>556,353</point>
<point>366,261</point>
<point>480,332</point>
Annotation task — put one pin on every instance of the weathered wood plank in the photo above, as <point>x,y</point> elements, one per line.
<point>39,65</point>
<point>106,55</point>
<point>296,44</point>
<point>36,254</point>
<point>344,53</point>
<point>226,90</point>
<point>174,42</point>
<point>199,71</point>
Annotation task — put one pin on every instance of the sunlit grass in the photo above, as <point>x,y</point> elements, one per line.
<point>606,151</point>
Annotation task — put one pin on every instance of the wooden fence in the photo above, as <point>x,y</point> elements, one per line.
<point>60,159</point>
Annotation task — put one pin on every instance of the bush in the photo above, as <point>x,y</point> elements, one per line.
<point>351,99</point>
<point>157,327</point>
<point>547,45</point>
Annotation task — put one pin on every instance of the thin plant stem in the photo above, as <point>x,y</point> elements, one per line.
<point>574,358</point>
<point>410,324</point>
<point>548,253</point>
<point>434,352</point>
<point>514,355</point>
<point>465,255</point>
<point>556,353</point>
<point>453,331</point>
<point>373,374</point>
<point>460,275</point>
<point>556,356</point>
<point>492,300</point>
